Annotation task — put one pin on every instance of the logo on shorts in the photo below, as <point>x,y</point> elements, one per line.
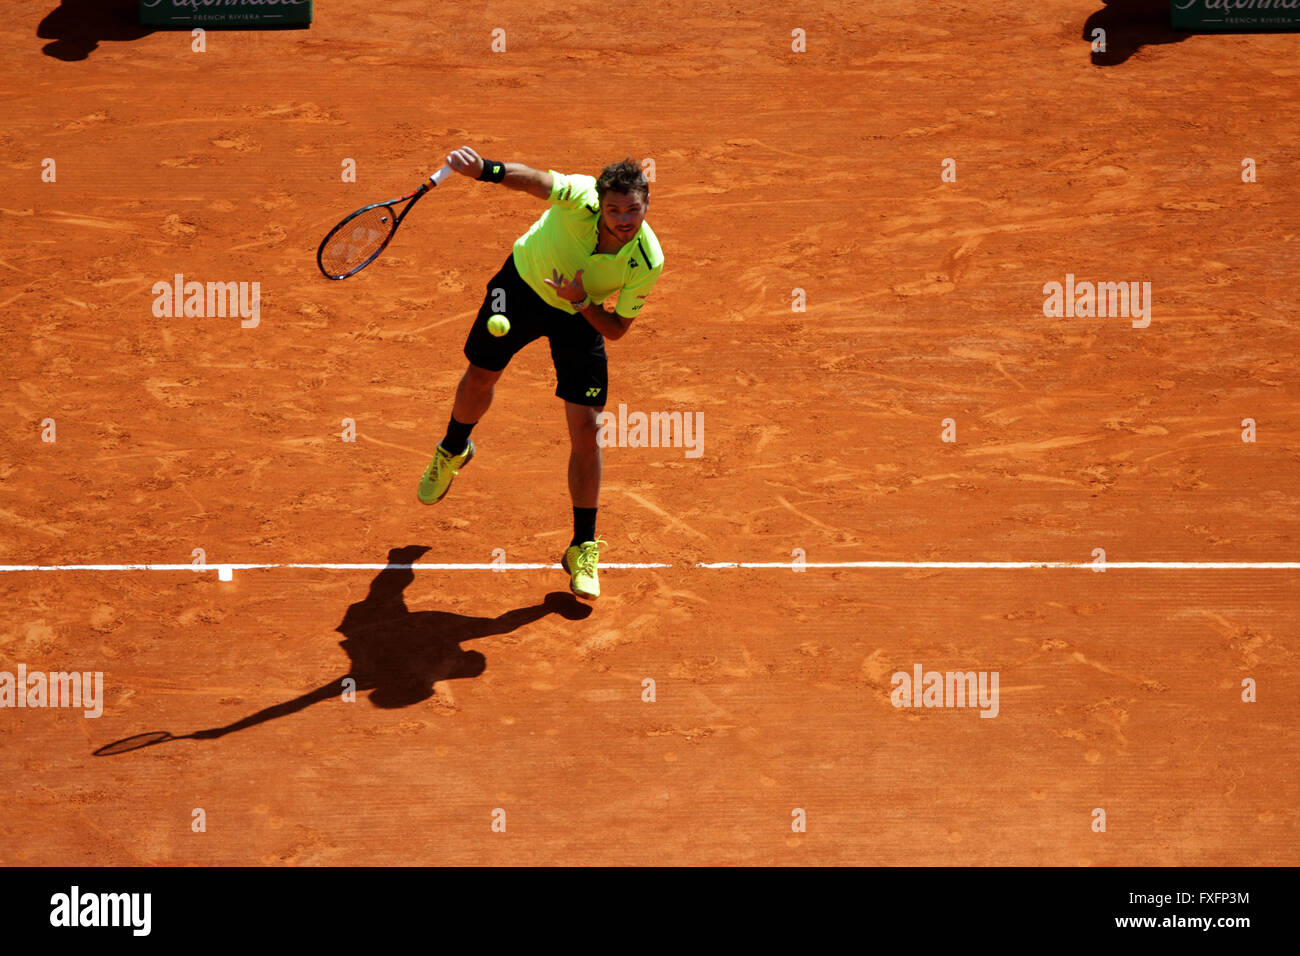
<point>593,392</point>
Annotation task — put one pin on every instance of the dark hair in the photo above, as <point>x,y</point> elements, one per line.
<point>623,177</point>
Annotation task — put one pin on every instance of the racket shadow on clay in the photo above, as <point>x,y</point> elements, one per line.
<point>396,654</point>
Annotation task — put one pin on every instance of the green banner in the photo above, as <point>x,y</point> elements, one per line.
<point>1234,15</point>
<point>225,13</point>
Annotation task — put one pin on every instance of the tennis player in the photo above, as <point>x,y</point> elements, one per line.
<point>591,243</point>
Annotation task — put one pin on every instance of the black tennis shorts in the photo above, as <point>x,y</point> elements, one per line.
<point>578,350</point>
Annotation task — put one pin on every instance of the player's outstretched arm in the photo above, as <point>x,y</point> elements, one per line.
<point>535,182</point>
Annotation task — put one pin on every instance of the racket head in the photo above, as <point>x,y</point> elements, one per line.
<point>356,241</point>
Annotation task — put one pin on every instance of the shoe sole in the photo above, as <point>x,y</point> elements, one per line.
<point>564,563</point>
<point>468,459</point>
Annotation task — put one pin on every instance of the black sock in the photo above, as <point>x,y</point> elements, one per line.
<point>457,439</point>
<point>584,525</point>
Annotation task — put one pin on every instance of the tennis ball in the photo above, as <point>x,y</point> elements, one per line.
<point>498,325</point>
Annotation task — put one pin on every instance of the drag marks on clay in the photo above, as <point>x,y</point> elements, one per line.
<point>420,453</point>
<point>1241,639</point>
<point>672,520</point>
<point>81,219</point>
<point>993,358</point>
<point>609,639</point>
<point>1030,448</point>
<point>947,388</point>
<point>807,517</point>
<point>32,524</point>
<point>935,283</point>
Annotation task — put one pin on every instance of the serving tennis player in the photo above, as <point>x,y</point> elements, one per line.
<point>591,243</point>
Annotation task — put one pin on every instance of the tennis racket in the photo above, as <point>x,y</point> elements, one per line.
<point>359,239</point>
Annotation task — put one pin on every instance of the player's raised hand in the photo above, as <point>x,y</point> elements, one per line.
<point>466,161</point>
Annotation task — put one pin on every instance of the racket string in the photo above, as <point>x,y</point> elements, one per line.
<point>355,242</point>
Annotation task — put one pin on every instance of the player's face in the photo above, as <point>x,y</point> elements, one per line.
<point>623,214</point>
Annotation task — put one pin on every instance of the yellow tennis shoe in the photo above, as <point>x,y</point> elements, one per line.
<point>580,561</point>
<point>437,477</point>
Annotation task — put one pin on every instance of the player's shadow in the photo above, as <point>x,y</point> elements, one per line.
<point>396,654</point>
<point>76,27</point>
<point>1130,25</point>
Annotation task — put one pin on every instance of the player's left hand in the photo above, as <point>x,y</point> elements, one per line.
<point>571,290</point>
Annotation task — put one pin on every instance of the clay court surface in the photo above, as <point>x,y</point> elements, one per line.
<point>774,170</point>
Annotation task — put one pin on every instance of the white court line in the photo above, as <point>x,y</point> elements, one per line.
<point>1015,565</point>
<point>216,566</point>
<point>719,565</point>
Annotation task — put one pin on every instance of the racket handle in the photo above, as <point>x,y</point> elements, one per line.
<point>440,175</point>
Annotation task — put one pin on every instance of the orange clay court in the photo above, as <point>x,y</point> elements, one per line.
<point>775,170</point>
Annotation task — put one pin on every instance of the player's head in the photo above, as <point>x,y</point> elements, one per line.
<point>624,196</point>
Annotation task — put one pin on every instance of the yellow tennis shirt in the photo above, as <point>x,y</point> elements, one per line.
<point>564,239</point>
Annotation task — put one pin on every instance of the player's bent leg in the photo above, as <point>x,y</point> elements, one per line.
<point>487,355</point>
<point>454,452</point>
<point>581,558</point>
<point>474,394</point>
